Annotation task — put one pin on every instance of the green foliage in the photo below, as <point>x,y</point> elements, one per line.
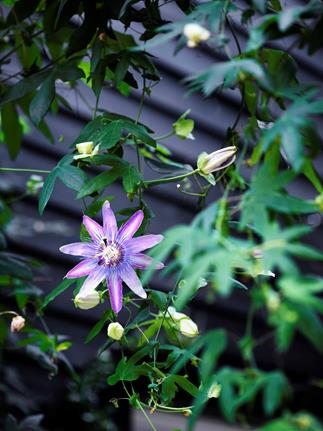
<point>253,237</point>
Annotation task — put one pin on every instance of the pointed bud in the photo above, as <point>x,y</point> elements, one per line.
<point>115,331</point>
<point>17,323</point>
<point>87,301</point>
<point>195,34</point>
<point>220,159</point>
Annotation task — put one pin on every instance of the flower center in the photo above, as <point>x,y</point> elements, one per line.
<point>110,254</point>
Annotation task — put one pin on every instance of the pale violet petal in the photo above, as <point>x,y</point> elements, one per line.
<point>83,268</point>
<point>114,283</point>
<point>93,280</point>
<point>79,249</point>
<point>131,279</point>
<point>93,228</point>
<point>140,243</point>
<point>109,222</point>
<point>129,228</point>
<point>142,261</point>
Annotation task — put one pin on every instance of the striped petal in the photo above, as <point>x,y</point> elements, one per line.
<point>142,261</point>
<point>83,268</point>
<point>93,280</point>
<point>79,249</point>
<point>115,291</point>
<point>136,245</point>
<point>131,279</point>
<point>94,229</point>
<point>109,222</point>
<point>129,228</point>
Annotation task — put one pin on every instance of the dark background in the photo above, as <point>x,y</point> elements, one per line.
<point>40,237</point>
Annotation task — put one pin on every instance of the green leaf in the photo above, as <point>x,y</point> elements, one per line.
<point>99,325</point>
<point>216,342</point>
<point>13,265</point>
<point>228,74</point>
<point>25,86</point>
<point>42,101</point>
<point>119,169</point>
<point>11,128</point>
<point>47,190</point>
<point>277,385</point>
<point>98,183</point>
<point>73,177</point>
<point>65,284</point>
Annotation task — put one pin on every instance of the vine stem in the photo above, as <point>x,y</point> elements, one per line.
<point>140,407</point>
<point>169,179</point>
<point>141,105</point>
<point>165,136</point>
<point>146,416</point>
<point>36,171</point>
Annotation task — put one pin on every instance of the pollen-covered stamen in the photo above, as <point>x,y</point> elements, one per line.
<point>110,254</point>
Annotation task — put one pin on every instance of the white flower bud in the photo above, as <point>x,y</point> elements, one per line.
<point>17,323</point>
<point>86,149</point>
<point>175,315</point>
<point>115,331</point>
<point>220,159</point>
<point>195,34</point>
<point>187,327</point>
<point>87,301</point>
<point>214,391</point>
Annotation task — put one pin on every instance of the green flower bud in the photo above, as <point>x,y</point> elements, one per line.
<point>115,331</point>
<point>220,159</point>
<point>87,301</point>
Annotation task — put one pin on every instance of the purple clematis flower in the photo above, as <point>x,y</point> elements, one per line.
<point>112,255</point>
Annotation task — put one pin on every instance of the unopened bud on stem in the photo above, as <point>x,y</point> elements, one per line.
<point>17,323</point>
<point>115,331</point>
<point>220,159</point>
<point>87,301</point>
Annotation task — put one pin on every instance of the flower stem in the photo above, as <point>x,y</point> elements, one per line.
<point>167,135</point>
<point>35,171</point>
<point>151,183</point>
<point>146,416</point>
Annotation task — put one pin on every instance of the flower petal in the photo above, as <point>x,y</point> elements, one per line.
<point>142,261</point>
<point>83,268</point>
<point>79,249</point>
<point>129,228</point>
<point>129,276</point>
<point>135,245</point>
<point>94,229</point>
<point>115,291</point>
<point>93,280</point>
<point>109,221</point>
